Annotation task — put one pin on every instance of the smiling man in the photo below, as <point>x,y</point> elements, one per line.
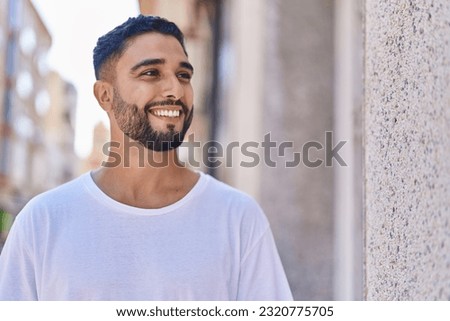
<point>152,231</point>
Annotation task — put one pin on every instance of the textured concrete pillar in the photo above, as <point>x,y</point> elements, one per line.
<point>407,144</point>
<point>297,108</point>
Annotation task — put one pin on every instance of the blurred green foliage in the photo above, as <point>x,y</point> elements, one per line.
<point>6,220</point>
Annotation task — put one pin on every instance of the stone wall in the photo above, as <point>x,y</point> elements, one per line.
<point>407,150</point>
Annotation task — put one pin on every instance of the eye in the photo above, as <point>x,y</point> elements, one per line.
<point>150,73</point>
<point>184,75</point>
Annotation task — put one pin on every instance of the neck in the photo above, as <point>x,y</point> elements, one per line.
<point>144,178</point>
<point>133,159</point>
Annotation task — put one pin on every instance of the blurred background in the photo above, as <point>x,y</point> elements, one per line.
<point>294,69</point>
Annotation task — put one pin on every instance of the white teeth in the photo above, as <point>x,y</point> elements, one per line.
<point>166,113</point>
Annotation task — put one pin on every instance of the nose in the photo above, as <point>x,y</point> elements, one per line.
<point>171,88</point>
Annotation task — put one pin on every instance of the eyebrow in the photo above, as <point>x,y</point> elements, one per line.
<point>187,65</point>
<point>158,61</point>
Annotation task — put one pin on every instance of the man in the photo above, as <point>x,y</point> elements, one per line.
<point>135,230</point>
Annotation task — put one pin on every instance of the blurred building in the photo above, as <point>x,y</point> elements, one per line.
<point>37,110</point>
<point>97,156</point>
<point>3,40</point>
<point>59,127</point>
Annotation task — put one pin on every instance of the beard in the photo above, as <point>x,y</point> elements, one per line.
<point>134,123</point>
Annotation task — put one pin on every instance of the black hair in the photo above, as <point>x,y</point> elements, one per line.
<point>113,44</point>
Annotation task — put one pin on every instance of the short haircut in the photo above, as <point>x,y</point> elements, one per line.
<point>112,45</point>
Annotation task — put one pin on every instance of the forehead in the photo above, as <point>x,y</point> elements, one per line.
<point>152,45</point>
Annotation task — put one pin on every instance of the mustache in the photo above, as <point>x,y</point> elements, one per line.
<point>166,103</point>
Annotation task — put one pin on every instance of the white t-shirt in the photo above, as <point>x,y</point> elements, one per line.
<point>76,243</point>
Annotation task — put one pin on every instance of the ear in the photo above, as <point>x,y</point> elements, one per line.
<point>104,93</point>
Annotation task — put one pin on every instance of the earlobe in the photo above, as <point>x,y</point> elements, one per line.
<point>103,92</point>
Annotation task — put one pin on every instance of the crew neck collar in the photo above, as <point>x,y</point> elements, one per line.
<point>100,196</point>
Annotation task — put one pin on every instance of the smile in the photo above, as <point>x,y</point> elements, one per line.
<point>165,113</point>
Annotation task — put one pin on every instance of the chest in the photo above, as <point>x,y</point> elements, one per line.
<point>144,261</point>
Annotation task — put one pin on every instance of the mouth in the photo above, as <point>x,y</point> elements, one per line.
<point>166,112</point>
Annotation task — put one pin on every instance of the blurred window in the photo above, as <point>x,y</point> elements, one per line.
<point>23,126</point>
<point>24,84</point>
<point>27,41</point>
<point>42,103</point>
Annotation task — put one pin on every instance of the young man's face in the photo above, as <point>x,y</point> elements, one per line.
<point>153,96</point>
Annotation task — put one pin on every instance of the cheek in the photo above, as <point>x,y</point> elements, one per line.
<point>143,94</point>
<point>139,93</point>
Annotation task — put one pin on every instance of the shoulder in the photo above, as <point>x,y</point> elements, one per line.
<point>62,193</point>
<point>235,204</point>
<point>53,200</point>
<point>224,193</point>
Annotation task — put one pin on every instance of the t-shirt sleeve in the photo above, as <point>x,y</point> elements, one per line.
<point>17,275</point>
<point>262,276</point>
